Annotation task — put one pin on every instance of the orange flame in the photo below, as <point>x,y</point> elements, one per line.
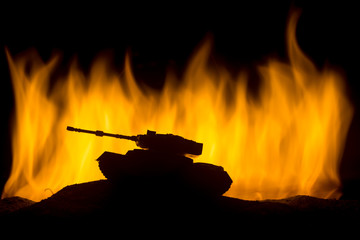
<point>287,142</point>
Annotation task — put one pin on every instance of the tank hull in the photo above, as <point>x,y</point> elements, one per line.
<point>154,171</point>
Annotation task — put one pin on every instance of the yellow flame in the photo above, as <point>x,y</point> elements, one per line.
<point>287,142</point>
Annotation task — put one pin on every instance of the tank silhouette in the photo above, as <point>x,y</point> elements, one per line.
<point>164,162</point>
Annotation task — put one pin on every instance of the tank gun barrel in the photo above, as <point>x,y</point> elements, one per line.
<point>101,133</point>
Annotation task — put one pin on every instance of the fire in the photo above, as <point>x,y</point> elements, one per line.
<point>289,141</point>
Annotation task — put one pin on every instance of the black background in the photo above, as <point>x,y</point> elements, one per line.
<point>164,34</point>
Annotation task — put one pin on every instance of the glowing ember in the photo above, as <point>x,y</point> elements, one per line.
<point>287,142</point>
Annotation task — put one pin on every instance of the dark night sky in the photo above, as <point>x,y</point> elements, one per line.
<point>160,35</point>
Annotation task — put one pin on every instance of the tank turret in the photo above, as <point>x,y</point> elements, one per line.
<point>158,142</point>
